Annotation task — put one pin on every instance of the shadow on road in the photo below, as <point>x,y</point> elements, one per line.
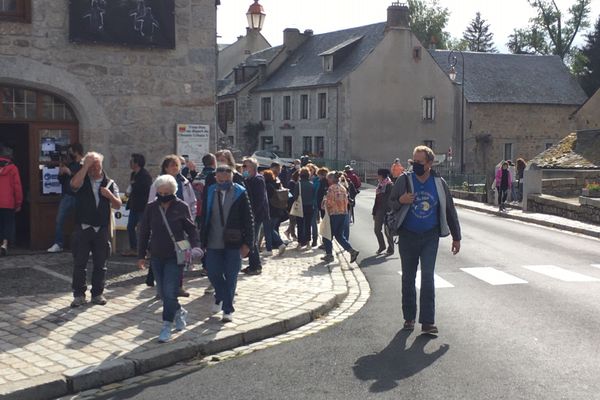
<point>396,362</point>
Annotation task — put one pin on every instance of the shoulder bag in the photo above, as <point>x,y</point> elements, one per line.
<point>182,246</point>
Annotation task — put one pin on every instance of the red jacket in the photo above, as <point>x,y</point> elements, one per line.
<point>11,191</point>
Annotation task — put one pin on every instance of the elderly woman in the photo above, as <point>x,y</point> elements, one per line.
<point>227,234</point>
<point>154,236</point>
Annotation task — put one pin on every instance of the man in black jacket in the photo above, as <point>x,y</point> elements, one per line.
<point>140,183</point>
<point>227,234</point>
<point>257,192</point>
<point>95,195</point>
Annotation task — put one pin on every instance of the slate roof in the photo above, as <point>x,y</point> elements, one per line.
<point>514,78</point>
<point>580,150</point>
<point>304,68</point>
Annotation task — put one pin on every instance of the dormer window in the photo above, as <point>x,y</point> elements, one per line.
<point>328,63</point>
<point>336,55</point>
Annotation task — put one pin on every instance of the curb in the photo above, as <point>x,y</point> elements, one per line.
<point>89,377</point>
<point>535,221</point>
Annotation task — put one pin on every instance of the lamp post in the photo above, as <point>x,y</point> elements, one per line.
<point>256,16</point>
<point>452,62</point>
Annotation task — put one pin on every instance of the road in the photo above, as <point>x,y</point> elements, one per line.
<point>518,311</point>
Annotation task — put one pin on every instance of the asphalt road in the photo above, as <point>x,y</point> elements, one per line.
<point>525,335</point>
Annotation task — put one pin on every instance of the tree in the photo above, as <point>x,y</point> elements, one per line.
<point>478,36</point>
<point>458,44</point>
<point>428,21</point>
<point>586,63</point>
<point>550,32</point>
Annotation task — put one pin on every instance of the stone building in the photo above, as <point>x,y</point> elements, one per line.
<point>588,115</point>
<point>67,77</point>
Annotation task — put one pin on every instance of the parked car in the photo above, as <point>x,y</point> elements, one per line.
<point>266,157</point>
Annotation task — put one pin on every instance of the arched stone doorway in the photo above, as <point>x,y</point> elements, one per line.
<point>38,126</point>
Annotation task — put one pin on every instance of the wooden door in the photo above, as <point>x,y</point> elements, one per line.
<point>48,144</point>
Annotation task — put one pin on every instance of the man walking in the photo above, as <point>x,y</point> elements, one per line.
<point>95,195</point>
<point>67,201</point>
<point>424,212</point>
<point>257,192</point>
<point>140,183</point>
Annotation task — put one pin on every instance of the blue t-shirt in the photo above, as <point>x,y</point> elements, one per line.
<point>423,215</point>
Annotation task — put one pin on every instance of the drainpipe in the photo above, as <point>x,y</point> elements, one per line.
<point>337,127</point>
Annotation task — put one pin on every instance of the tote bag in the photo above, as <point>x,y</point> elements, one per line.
<point>297,210</point>
<point>325,227</point>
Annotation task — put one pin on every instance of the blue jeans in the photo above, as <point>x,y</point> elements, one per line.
<point>415,247</point>
<point>272,238</point>
<point>223,266</point>
<point>315,226</point>
<point>167,272</point>
<point>134,218</point>
<point>67,203</point>
<point>347,227</point>
<point>254,262</point>
<point>338,225</point>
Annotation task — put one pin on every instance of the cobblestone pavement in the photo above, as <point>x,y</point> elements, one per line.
<point>46,345</point>
<point>358,294</point>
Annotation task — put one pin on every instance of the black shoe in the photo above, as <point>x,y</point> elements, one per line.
<point>314,244</point>
<point>99,300</point>
<point>427,329</point>
<point>252,271</point>
<point>183,293</point>
<point>390,252</point>
<point>321,247</point>
<point>328,258</point>
<point>3,251</point>
<point>380,250</point>
<point>150,283</point>
<point>353,255</point>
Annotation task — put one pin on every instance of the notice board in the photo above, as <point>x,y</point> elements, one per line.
<point>193,141</point>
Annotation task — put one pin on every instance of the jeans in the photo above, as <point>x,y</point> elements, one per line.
<point>7,224</point>
<point>305,226</point>
<point>347,227</point>
<point>415,248</point>
<point>167,272</point>
<point>67,203</point>
<point>254,262</point>
<point>513,192</point>
<point>338,224</point>
<point>98,243</point>
<point>379,226</point>
<point>223,266</point>
<point>272,238</point>
<point>315,225</point>
<point>502,195</point>
<point>134,218</point>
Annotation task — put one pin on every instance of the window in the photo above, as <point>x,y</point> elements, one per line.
<point>304,114</point>
<point>328,63</point>
<point>320,146</point>
<point>508,151</point>
<point>287,146</point>
<point>226,114</point>
<point>15,10</point>
<point>19,103</point>
<point>307,145</point>
<point>266,142</point>
<point>266,109</point>
<point>287,108</point>
<point>428,143</point>
<point>428,108</point>
<point>322,105</point>
<point>417,53</point>
<point>55,109</point>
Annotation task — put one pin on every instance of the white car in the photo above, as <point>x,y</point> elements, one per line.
<point>266,157</point>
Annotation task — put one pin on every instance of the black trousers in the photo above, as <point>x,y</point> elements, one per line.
<point>84,242</point>
<point>7,224</point>
<point>379,226</point>
<point>502,195</point>
<point>305,226</point>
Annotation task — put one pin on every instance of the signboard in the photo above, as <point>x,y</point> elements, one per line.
<point>50,182</point>
<point>149,23</point>
<point>121,218</point>
<point>193,141</point>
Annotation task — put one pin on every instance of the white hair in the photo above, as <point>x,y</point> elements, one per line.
<point>165,180</point>
<point>93,154</point>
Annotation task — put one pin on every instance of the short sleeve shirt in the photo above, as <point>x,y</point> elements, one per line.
<point>423,215</point>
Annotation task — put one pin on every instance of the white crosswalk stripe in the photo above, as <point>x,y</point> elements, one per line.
<point>493,276</point>
<point>440,283</point>
<point>560,273</point>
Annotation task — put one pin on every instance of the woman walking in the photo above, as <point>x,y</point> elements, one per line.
<point>278,200</point>
<point>11,199</point>
<point>290,233</point>
<point>336,205</point>
<point>380,208</point>
<point>167,220</point>
<point>503,184</point>
<point>304,191</point>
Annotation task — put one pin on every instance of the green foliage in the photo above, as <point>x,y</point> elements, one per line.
<point>458,44</point>
<point>428,21</point>
<point>586,62</point>
<point>478,36</point>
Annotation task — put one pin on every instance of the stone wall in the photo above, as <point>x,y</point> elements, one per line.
<point>567,183</point>
<point>471,196</point>
<point>125,99</point>
<point>555,206</point>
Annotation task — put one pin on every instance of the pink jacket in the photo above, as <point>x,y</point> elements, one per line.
<point>499,178</point>
<point>11,191</point>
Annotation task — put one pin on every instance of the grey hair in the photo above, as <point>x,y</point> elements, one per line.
<point>93,154</point>
<point>252,161</point>
<point>166,180</point>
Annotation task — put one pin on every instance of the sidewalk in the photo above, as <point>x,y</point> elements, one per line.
<point>48,350</point>
<point>550,221</point>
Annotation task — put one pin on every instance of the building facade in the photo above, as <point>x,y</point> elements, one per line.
<point>64,81</point>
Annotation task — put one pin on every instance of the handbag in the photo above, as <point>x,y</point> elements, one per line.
<point>231,236</point>
<point>296,209</point>
<point>181,246</point>
<point>280,198</point>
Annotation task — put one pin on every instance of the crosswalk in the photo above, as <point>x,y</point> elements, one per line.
<point>496,277</point>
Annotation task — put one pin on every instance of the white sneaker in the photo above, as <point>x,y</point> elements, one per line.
<point>268,253</point>
<point>216,308</point>
<point>227,318</point>
<point>282,249</point>
<point>55,249</point>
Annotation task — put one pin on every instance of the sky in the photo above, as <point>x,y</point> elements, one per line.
<point>330,15</point>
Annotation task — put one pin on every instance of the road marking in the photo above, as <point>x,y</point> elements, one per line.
<point>560,273</point>
<point>439,282</point>
<point>493,276</point>
<point>53,273</point>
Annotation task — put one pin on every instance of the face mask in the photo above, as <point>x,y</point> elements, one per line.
<point>225,186</point>
<point>419,169</point>
<point>165,199</point>
<point>246,174</point>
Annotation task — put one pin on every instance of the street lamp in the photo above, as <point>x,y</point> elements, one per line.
<point>256,16</point>
<point>452,61</point>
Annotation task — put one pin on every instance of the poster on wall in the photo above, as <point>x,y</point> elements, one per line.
<point>193,141</point>
<point>121,218</point>
<point>149,23</point>
<point>50,182</point>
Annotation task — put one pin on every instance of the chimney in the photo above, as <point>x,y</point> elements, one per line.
<point>292,39</point>
<point>398,16</point>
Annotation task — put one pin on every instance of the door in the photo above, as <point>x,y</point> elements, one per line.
<point>48,149</point>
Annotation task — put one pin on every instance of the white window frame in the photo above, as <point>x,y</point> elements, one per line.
<point>428,114</point>
<point>262,114</point>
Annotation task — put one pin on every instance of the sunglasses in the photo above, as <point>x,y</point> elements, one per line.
<point>221,169</point>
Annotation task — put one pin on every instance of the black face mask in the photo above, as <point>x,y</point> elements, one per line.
<point>419,169</point>
<point>165,199</point>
